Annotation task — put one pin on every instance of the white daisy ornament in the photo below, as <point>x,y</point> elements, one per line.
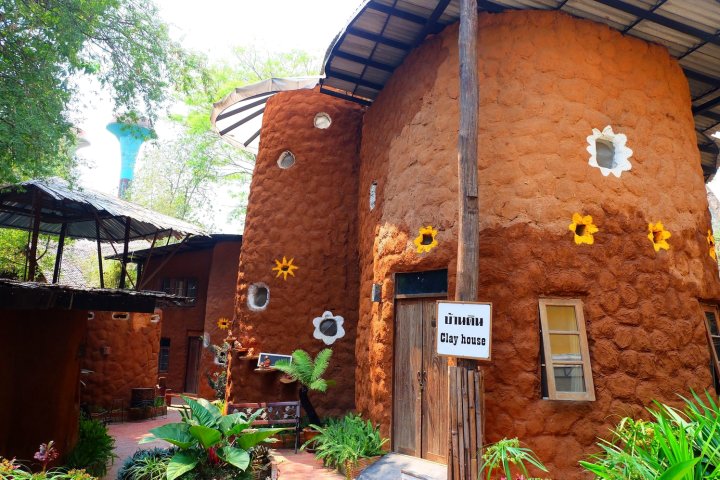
<point>328,327</point>
<point>608,151</point>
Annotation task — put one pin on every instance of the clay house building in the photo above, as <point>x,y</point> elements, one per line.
<point>204,270</point>
<point>48,329</point>
<point>595,247</point>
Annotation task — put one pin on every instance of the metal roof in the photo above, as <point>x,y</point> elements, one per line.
<point>80,208</point>
<point>190,245</point>
<point>382,33</point>
<point>237,118</point>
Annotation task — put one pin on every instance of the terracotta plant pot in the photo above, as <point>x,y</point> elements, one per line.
<point>351,471</point>
<point>307,435</point>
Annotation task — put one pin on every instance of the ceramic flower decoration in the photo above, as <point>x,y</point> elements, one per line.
<point>608,151</point>
<point>583,228</point>
<point>223,323</point>
<point>711,245</point>
<point>426,241</point>
<point>328,327</point>
<point>658,236</point>
<point>285,268</point>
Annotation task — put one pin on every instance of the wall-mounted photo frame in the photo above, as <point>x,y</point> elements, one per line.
<point>268,360</point>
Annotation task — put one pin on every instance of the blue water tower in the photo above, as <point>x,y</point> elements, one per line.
<point>131,137</point>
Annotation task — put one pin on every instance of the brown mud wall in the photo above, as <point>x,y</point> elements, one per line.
<point>39,378</point>
<point>220,303</point>
<point>307,213</point>
<point>546,79</point>
<point>122,355</point>
<point>179,323</point>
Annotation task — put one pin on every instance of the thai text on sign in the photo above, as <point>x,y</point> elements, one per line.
<point>464,329</point>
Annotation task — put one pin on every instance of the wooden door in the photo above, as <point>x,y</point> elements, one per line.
<point>406,387</point>
<point>420,396</point>
<point>193,364</point>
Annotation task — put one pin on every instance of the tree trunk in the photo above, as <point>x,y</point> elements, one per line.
<point>308,407</point>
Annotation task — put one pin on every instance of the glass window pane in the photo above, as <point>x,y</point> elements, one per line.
<point>565,348</point>
<point>712,322</point>
<point>561,317</point>
<point>569,378</point>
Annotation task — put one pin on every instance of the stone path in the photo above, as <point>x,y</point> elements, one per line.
<point>391,466</point>
<point>300,466</point>
<point>128,434</point>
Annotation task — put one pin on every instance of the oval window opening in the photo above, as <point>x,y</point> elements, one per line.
<point>286,160</point>
<point>322,121</point>
<point>258,296</point>
<point>120,315</point>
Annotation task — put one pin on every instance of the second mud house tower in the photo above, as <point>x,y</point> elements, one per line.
<point>595,248</point>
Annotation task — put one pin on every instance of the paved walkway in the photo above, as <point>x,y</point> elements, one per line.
<point>395,466</point>
<point>301,466</point>
<point>128,434</point>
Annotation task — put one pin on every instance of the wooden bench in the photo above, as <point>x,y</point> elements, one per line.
<point>273,414</point>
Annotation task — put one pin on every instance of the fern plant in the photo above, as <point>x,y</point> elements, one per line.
<point>308,373</point>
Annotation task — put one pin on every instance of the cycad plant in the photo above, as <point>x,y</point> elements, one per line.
<point>308,373</point>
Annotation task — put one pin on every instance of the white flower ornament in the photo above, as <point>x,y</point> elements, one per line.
<point>328,327</point>
<point>612,156</point>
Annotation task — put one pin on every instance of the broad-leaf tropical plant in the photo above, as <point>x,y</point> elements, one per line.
<point>308,373</point>
<point>673,445</point>
<point>207,437</point>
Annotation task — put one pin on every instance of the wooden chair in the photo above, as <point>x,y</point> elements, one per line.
<point>274,414</point>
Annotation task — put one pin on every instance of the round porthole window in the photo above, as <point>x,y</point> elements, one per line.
<point>258,297</point>
<point>328,327</point>
<point>286,160</point>
<point>322,121</point>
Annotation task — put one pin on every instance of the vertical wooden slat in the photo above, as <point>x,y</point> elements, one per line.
<point>471,424</point>
<point>453,461</point>
<point>59,254</point>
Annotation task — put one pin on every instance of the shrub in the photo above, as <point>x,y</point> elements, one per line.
<point>508,453</point>
<point>308,373</point>
<point>210,445</point>
<point>674,445</point>
<point>94,449</point>
<point>344,441</point>
<point>148,464</point>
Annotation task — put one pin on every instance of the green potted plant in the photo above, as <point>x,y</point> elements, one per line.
<point>501,456</point>
<point>349,444</point>
<point>308,373</point>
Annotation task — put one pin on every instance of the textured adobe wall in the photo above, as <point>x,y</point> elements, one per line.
<point>181,322</point>
<point>132,361</point>
<point>220,302</point>
<point>546,80</point>
<point>39,374</point>
<point>307,212</point>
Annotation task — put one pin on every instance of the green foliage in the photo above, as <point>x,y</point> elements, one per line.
<point>674,445</point>
<point>344,441</point>
<point>45,46</point>
<point>209,441</point>
<point>11,470</point>
<point>94,448</point>
<point>505,454</point>
<point>146,464</point>
<point>307,371</point>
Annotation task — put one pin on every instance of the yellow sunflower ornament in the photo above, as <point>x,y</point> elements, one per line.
<point>583,228</point>
<point>426,241</point>
<point>284,268</point>
<point>711,245</point>
<point>223,323</point>
<point>658,236</point>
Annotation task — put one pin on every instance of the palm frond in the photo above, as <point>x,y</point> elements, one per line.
<point>322,362</point>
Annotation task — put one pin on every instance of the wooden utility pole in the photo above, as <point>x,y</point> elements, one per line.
<point>465,385</point>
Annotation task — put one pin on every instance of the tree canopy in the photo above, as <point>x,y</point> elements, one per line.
<point>45,45</point>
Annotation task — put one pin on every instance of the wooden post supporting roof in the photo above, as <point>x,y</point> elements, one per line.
<point>99,251</point>
<point>59,255</point>
<point>32,253</point>
<point>465,392</point>
<point>126,246</point>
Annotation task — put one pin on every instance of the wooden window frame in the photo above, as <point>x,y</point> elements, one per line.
<point>552,393</point>
<point>711,308</point>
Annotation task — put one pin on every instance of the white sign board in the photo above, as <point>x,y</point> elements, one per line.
<point>464,329</point>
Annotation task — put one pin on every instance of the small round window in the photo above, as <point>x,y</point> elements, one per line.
<point>286,160</point>
<point>322,121</point>
<point>258,297</point>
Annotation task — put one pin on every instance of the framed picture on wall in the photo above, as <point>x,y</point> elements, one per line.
<point>267,360</point>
